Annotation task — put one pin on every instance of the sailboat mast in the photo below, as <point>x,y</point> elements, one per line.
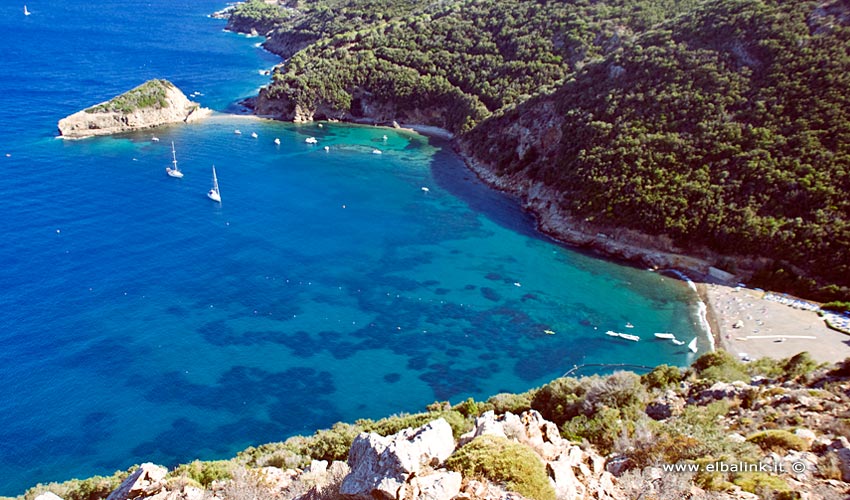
<point>173,156</point>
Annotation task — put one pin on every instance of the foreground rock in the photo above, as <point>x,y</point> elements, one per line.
<point>148,480</point>
<point>402,465</point>
<point>573,472</point>
<point>154,103</point>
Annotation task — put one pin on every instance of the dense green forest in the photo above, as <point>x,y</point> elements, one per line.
<point>723,124</point>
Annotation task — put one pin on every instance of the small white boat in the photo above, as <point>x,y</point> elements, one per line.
<point>237,132</point>
<point>376,152</point>
<point>629,325</point>
<point>26,12</point>
<point>692,345</point>
<point>155,139</point>
<point>173,171</point>
<point>628,336</point>
<point>254,135</point>
<point>214,194</point>
<point>277,141</point>
<point>549,332</point>
<point>320,125</point>
<point>327,148</point>
<point>311,140</point>
<point>385,138</point>
<point>425,189</point>
<point>677,341</point>
<point>665,335</point>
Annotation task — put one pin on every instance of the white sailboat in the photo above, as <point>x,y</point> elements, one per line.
<point>692,345</point>
<point>173,171</point>
<point>26,12</point>
<point>214,194</point>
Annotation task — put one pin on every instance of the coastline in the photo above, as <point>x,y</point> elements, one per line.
<point>785,331</point>
<point>616,243</point>
<point>713,298</point>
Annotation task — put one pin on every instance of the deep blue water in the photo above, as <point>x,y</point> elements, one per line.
<point>139,321</point>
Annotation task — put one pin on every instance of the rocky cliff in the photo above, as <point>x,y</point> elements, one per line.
<point>154,103</point>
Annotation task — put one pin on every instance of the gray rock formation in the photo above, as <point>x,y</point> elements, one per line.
<point>573,472</point>
<point>154,103</point>
<point>148,480</point>
<point>398,466</point>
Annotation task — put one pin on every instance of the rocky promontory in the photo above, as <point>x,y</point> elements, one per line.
<point>153,103</point>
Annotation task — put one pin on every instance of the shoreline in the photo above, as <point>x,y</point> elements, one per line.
<point>791,330</point>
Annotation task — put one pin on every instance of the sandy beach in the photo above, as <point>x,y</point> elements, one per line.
<point>747,325</point>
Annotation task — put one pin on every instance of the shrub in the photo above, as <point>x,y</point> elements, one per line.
<point>621,390</point>
<point>799,365</point>
<point>711,481</point>
<point>763,484</point>
<point>468,408</point>
<point>560,400</point>
<point>662,377</point>
<point>331,444</point>
<point>396,423</point>
<point>514,403</point>
<point>204,473</point>
<point>720,366</point>
<point>664,448</point>
<point>777,440</point>
<point>93,488</point>
<point>503,461</point>
<point>600,430</point>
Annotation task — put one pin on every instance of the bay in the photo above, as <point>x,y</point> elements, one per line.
<point>139,321</point>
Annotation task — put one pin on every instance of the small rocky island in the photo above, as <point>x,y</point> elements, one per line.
<point>153,103</point>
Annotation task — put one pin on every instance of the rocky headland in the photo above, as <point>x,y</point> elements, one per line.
<point>154,103</point>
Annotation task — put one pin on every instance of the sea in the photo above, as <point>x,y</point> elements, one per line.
<point>140,321</point>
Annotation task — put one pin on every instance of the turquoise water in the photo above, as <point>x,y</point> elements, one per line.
<point>143,322</point>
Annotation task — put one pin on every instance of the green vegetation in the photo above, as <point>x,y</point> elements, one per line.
<point>727,128</point>
<point>765,485</point>
<point>778,440</point>
<point>836,306</point>
<point>204,473</point>
<point>92,488</point>
<point>662,377</point>
<point>456,60</point>
<point>720,366</point>
<point>151,94</point>
<point>721,125</point>
<point>506,462</point>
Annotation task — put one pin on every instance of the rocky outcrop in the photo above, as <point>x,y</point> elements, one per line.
<point>154,103</point>
<point>148,480</point>
<point>574,473</point>
<point>402,465</point>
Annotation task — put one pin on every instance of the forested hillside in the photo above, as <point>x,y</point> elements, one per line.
<point>728,128</point>
<point>452,62</point>
<point>722,125</point>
